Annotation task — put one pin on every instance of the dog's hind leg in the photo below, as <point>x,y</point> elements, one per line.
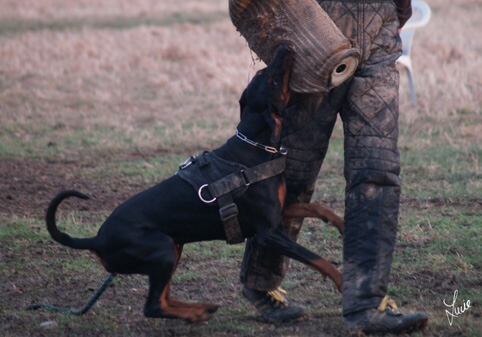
<point>159,302</point>
<point>208,307</point>
<point>160,269</point>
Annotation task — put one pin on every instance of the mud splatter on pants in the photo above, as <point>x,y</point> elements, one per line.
<point>368,107</point>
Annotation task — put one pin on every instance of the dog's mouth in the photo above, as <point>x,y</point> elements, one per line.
<point>287,65</point>
<point>283,60</point>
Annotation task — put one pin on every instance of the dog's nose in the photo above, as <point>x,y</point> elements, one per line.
<point>283,58</point>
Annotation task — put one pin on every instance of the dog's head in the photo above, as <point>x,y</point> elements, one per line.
<point>268,92</point>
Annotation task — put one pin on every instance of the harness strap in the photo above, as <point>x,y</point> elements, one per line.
<point>228,210</point>
<point>222,187</point>
<point>247,177</point>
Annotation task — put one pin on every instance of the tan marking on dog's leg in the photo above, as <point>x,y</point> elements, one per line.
<point>172,308</point>
<point>313,210</point>
<point>191,312</point>
<point>327,269</point>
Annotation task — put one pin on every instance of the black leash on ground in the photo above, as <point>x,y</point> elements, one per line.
<point>82,310</point>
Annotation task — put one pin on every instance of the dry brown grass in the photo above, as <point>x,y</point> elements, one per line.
<point>59,9</point>
<point>167,75</point>
<point>128,78</point>
<point>145,76</point>
<point>447,61</point>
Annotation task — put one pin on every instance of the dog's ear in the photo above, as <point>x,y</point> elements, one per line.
<point>275,122</point>
<point>242,102</point>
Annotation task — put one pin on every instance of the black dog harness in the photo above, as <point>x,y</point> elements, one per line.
<point>223,181</point>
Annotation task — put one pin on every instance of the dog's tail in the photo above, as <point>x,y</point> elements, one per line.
<point>59,236</point>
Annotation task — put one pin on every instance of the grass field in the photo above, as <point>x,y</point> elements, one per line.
<point>109,97</point>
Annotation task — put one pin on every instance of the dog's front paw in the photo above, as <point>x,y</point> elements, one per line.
<point>211,308</point>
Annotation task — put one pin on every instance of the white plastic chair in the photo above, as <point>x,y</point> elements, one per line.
<point>421,14</point>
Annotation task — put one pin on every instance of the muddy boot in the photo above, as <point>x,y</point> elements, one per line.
<point>385,319</point>
<point>274,307</point>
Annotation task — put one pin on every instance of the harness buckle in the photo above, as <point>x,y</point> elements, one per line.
<point>228,212</point>
<point>245,178</point>
<point>189,161</point>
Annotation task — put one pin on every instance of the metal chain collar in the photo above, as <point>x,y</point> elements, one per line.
<point>282,150</point>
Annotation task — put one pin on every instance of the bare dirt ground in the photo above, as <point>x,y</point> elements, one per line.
<point>26,186</point>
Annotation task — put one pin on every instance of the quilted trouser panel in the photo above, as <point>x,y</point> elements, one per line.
<point>368,105</point>
<point>372,161</point>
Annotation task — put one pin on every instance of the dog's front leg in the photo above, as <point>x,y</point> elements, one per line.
<point>278,240</point>
<point>312,210</point>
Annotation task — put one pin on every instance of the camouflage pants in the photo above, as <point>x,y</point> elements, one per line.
<point>368,107</point>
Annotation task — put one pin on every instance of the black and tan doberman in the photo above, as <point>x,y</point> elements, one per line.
<point>145,234</point>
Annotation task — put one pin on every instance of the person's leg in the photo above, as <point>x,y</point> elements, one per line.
<point>372,168</point>
<point>372,161</point>
<point>307,128</point>
<point>370,117</point>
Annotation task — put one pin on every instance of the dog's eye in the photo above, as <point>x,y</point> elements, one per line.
<point>275,82</point>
